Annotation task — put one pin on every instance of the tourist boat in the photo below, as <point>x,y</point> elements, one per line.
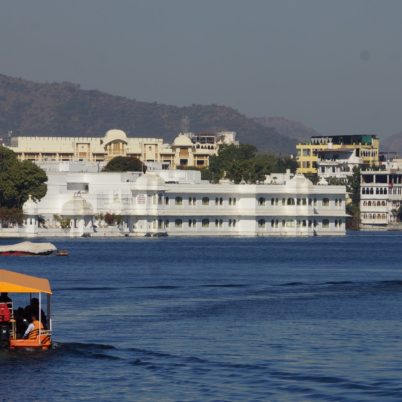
<point>12,283</point>
<point>28,248</point>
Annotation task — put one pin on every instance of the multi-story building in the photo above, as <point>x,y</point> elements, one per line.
<point>187,149</point>
<point>183,204</point>
<point>381,196</point>
<point>365,147</point>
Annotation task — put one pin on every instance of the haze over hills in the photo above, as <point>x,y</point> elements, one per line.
<point>392,144</point>
<point>288,128</point>
<point>64,109</point>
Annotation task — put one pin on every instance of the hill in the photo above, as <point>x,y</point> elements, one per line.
<point>287,128</point>
<point>392,144</point>
<point>64,109</point>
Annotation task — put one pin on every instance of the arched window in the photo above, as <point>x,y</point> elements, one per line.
<point>205,223</point>
<point>167,200</point>
<point>363,190</point>
<point>178,223</point>
<point>385,191</point>
<point>291,201</point>
<point>371,191</point>
<point>272,201</point>
<point>272,223</point>
<point>383,204</point>
<point>325,202</point>
<point>261,201</point>
<point>369,203</point>
<point>261,223</point>
<point>325,223</point>
<point>205,200</point>
<point>178,200</point>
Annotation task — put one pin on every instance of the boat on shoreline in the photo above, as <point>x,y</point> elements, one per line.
<point>27,248</point>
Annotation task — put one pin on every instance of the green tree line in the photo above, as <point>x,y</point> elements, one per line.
<point>238,163</point>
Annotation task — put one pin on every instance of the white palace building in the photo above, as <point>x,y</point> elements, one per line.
<point>179,203</point>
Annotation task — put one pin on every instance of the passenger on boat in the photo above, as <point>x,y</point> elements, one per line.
<point>20,322</point>
<point>33,308</point>
<point>4,298</point>
<point>32,331</point>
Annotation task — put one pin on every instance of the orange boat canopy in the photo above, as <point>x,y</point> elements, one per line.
<point>13,282</point>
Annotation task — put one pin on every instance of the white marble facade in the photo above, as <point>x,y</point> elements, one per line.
<point>182,204</point>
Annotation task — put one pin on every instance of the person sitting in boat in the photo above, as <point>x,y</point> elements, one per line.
<point>4,298</point>
<point>32,331</point>
<point>33,308</point>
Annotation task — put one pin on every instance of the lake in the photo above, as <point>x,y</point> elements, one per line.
<point>217,319</point>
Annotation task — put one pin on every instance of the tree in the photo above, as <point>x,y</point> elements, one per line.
<point>353,208</point>
<point>124,164</point>
<point>18,180</point>
<point>242,162</point>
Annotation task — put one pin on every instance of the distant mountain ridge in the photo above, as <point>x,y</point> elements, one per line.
<point>286,127</point>
<point>64,109</point>
<point>392,143</point>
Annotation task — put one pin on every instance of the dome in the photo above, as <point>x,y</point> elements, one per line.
<point>182,140</point>
<point>30,207</point>
<point>115,135</point>
<point>77,206</point>
<point>299,182</point>
<point>149,179</point>
<point>322,182</point>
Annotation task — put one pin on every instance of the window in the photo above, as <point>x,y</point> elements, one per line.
<point>325,223</point>
<point>178,200</point>
<point>325,202</point>
<point>191,223</point>
<point>261,223</point>
<point>166,223</point>
<point>291,201</point>
<point>178,223</point>
<point>192,201</point>
<point>205,223</point>
<point>167,200</point>
<point>205,200</point>
<point>272,201</point>
<point>261,201</point>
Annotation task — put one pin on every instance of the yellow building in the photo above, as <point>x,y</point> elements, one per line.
<point>187,149</point>
<point>366,147</point>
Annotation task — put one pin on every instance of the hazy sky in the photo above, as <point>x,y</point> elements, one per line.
<point>333,65</point>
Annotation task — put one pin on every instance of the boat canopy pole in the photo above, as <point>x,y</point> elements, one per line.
<point>40,315</point>
<point>49,318</point>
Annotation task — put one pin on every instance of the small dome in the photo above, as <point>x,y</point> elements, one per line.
<point>30,207</point>
<point>77,206</point>
<point>299,181</point>
<point>149,179</point>
<point>322,182</point>
<point>182,140</point>
<point>115,135</point>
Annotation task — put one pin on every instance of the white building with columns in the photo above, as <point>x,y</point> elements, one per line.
<point>181,204</point>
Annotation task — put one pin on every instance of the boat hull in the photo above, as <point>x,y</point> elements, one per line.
<point>44,343</point>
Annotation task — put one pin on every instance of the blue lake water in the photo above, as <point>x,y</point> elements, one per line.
<point>206,319</point>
